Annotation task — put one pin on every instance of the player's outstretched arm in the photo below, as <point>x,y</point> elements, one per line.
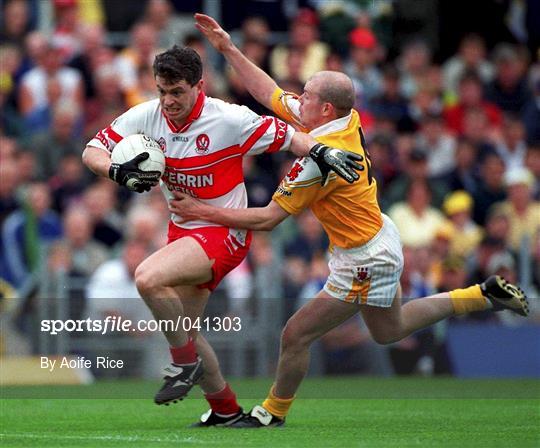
<point>256,218</point>
<point>258,83</point>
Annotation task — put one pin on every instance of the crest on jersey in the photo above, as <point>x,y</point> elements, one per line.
<point>202,142</point>
<point>162,144</point>
<point>363,273</point>
<point>295,171</point>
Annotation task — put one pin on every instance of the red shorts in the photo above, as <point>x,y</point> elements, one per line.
<point>220,245</point>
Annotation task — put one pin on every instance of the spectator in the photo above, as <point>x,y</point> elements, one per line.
<point>416,213</point>
<point>146,225</point>
<point>88,59</point>
<point>260,185</point>
<point>512,146</point>
<point>497,225</point>
<point>477,264</point>
<point>463,176</point>
<point>477,129</point>
<point>390,102</point>
<point>532,162</point>
<point>257,52</point>
<point>471,57</point>
<point>160,14</point>
<point>467,235</point>
<point>440,146</point>
<point>415,169</point>
<point>65,36</point>
<point>382,160</point>
<point>470,96</point>
<point>311,239</point>
<point>140,52</point>
<point>26,234</point>
<point>15,22</point>
<point>69,182</point>
<point>522,211</point>
<point>413,63</point>
<point>40,119</point>
<point>8,186</point>
<point>33,93</point>
<point>51,146</point>
<point>362,67</point>
<point>108,101</point>
<point>87,254</point>
<point>256,28</point>
<point>509,89</point>
<point>100,201</point>
<point>531,111</point>
<point>111,291</point>
<point>11,123</point>
<point>304,39</point>
<point>490,186</point>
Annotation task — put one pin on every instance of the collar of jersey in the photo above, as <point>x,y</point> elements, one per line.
<point>339,124</point>
<point>193,115</point>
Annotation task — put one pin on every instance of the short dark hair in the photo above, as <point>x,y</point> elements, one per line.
<point>177,64</point>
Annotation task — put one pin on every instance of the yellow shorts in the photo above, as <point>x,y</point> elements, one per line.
<point>369,274</point>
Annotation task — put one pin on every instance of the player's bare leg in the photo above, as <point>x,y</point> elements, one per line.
<point>317,317</point>
<point>224,408</point>
<point>314,319</point>
<point>182,262</point>
<point>388,325</point>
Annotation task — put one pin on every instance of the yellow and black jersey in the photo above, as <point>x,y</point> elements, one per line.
<point>349,213</point>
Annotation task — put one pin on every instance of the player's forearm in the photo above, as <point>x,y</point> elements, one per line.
<point>245,218</point>
<point>97,160</point>
<point>301,143</point>
<point>258,83</point>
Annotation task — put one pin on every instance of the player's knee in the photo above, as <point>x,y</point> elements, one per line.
<point>384,338</point>
<point>145,282</point>
<point>291,337</point>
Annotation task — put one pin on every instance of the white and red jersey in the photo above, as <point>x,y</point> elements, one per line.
<point>204,157</point>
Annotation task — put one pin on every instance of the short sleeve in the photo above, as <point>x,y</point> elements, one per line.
<point>300,188</point>
<point>130,122</point>
<point>286,106</point>
<point>259,134</point>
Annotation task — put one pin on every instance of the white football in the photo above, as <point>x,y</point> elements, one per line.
<point>133,145</point>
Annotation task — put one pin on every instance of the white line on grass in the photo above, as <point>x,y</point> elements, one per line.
<point>108,438</point>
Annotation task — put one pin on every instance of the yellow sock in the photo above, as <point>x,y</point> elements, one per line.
<point>468,299</point>
<point>277,406</point>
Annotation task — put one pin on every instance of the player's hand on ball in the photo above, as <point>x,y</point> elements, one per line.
<point>344,163</point>
<point>186,207</point>
<point>216,35</point>
<point>129,174</point>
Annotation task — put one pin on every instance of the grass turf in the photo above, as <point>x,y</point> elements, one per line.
<point>340,412</point>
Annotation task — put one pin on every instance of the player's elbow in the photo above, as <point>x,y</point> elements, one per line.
<point>87,156</point>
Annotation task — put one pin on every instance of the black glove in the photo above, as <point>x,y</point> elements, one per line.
<point>344,163</point>
<point>129,175</point>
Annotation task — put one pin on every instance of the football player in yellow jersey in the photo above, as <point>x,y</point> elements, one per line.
<point>366,257</point>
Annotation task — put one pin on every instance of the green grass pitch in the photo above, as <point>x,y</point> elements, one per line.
<point>331,412</point>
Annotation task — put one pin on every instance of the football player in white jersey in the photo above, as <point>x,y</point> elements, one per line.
<point>204,140</point>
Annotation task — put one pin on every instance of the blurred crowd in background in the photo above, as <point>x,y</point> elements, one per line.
<point>449,102</point>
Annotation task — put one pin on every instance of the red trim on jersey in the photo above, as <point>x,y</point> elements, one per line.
<point>113,135</point>
<point>193,115</point>
<point>259,132</point>
<point>279,136</point>
<point>208,182</point>
<point>199,161</point>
